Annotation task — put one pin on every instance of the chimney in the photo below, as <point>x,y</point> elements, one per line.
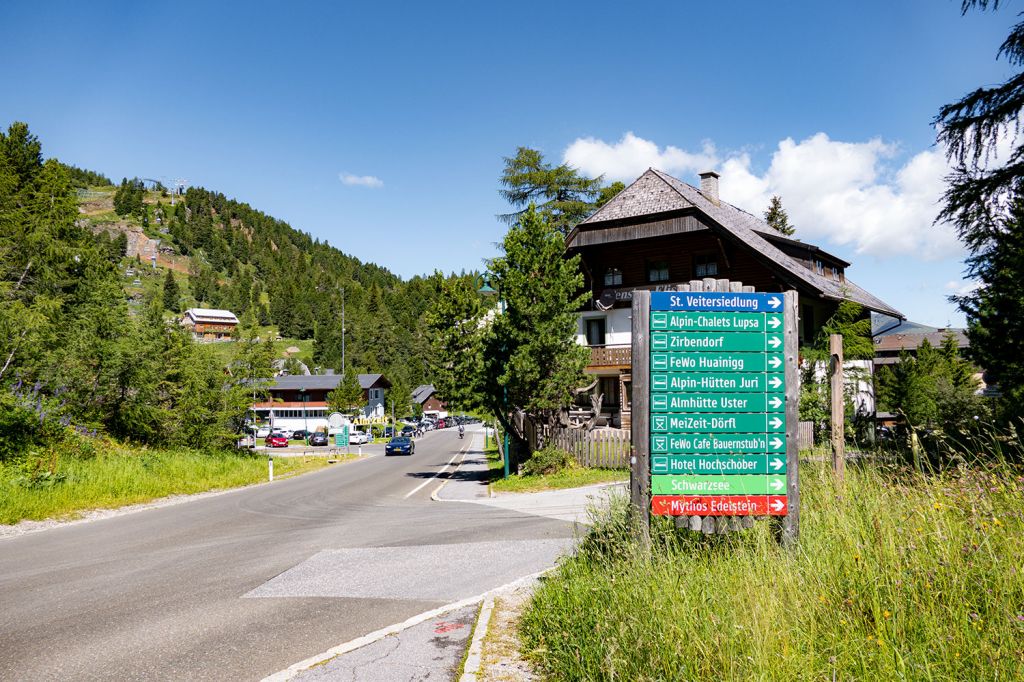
<point>709,185</point>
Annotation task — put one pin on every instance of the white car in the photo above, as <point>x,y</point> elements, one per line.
<point>358,437</point>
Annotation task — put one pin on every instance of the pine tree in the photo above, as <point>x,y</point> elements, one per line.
<point>777,218</point>
<point>532,359</point>
<point>348,395</point>
<point>172,295</point>
<point>456,334</point>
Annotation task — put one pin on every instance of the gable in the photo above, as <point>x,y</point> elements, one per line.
<point>648,194</point>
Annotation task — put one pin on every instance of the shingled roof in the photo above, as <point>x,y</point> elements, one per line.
<point>656,192</point>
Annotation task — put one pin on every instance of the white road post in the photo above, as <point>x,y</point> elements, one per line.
<point>270,464</point>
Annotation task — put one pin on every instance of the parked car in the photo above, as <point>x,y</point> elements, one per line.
<point>389,432</point>
<point>400,445</point>
<point>358,437</point>
<point>441,423</point>
<point>300,434</point>
<point>262,431</point>
<point>318,438</point>
<point>408,431</point>
<point>276,440</point>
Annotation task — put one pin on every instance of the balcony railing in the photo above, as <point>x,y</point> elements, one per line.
<point>610,356</point>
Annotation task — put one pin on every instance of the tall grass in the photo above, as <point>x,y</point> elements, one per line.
<point>897,576</point>
<point>120,475</point>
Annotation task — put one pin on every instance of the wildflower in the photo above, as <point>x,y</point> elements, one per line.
<point>996,522</point>
<point>937,506</point>
<point>886,614</point>
<point>822,599</point>
<point>880,642</point>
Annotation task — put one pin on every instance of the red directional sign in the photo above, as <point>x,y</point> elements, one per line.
<point>729,505</point>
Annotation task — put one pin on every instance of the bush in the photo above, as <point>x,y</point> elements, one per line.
<point>548,460</point>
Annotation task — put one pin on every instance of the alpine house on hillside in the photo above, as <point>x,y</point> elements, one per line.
<point>660,232</point>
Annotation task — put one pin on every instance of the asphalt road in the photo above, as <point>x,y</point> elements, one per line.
<point>242,585</point>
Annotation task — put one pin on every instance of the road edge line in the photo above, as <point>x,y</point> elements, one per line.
<point>359,642</point>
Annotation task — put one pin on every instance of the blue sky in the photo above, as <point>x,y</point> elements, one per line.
<point>828,104</point>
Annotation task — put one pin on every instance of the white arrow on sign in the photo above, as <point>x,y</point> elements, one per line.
<point>774,322</point>
<point>775,402</point>
<point>775,462</point>
<point>774,302</point>
<point>775,382</point>
<point>777,505</point>
<point>776,484</point>
<point>775,443</point>
<point>774,341</point>
<point>775,362</point>
<point>775,422</point>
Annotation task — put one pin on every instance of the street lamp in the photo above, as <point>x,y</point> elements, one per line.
<point>305,425</point>
<point>488,290</point>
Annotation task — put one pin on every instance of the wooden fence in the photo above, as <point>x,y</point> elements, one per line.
<point>805,435</point>
<point>601,448</point>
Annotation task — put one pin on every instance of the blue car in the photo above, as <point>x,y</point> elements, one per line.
<point>399,446</point>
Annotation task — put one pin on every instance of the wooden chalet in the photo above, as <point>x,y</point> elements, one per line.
<point>425,396</point>
<point>209,324</point>
<point>660,232</point>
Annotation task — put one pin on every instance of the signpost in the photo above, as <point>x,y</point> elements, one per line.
<point>714,377</point>
<point>341,438</point>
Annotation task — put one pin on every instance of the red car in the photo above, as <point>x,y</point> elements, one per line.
<point>276,441</point>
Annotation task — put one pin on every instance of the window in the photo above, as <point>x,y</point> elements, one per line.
<point>657,271</point>
<point>612,277</point>
<point>819,267</point>
<point>704,265</point>
<point>595,328</point>
<point>609,386</point>
<point>376,394</point>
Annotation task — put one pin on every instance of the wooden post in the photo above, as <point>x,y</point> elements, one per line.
<point>791,522</point>
<point>640,459</point>
<point>835,350</point>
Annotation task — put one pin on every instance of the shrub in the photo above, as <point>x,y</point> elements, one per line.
<point>548,460</point>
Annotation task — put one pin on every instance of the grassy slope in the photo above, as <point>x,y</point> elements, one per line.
<point>894,578</point>
<point>123,475</point>
<point>570,478</point>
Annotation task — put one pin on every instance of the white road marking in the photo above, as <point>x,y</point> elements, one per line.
<point>422,485</point>
<point>292,670</point>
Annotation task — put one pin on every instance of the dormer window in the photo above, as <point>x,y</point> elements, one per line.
<point>819,267</point>
<point>657,271</point>
<point>613,277</point>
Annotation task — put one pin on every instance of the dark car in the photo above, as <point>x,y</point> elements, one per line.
<point>400,445</point>
<point>276,440</point>
<point>300,434</point>
<point>389,432</point>
<point>318,438</point>
<point>408,431</point>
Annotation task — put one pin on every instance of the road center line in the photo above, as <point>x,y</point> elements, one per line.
<point>415,490</point>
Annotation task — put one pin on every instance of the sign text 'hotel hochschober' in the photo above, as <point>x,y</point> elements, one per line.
<point>718,408</point>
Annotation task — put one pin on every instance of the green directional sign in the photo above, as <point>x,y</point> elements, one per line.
<point>726,443</point>
<point>719,423</point>
<point>716,383</point>
<point>715,341</point>
<point>741,484</point>
<point>717,402</point>
<point>718,464</point>
<point>341,438</point>
<point>703,321</point>
<point>717,362</point>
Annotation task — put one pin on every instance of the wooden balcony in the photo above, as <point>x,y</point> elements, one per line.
<point>610,356</point>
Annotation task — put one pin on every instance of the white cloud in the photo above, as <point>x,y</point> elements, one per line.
<point>848,193</point>
<point>632,155</point>
<point>962,288</point>
<point>360,180</point>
